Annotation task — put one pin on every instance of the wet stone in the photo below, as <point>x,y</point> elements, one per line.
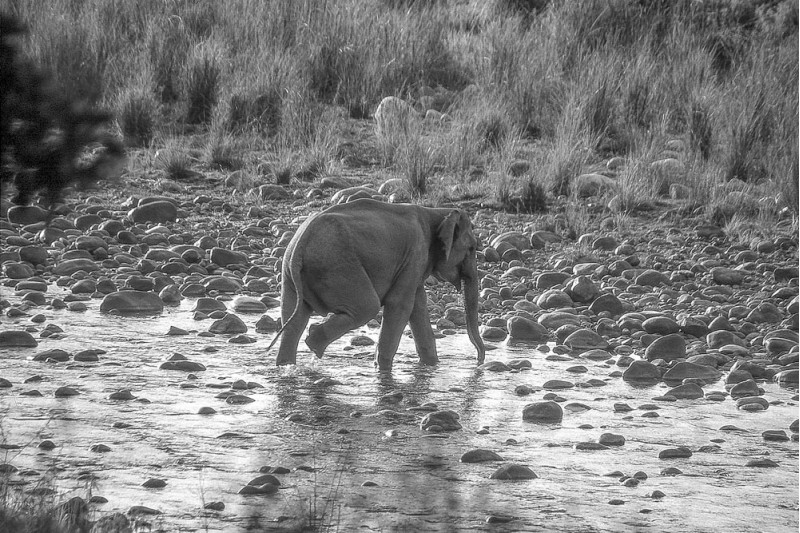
<point>248,304</point>
<point>499,519</point>
<point>174,330</point>
<point>228,324</point>
<point>611,439</point>
<point>267,324</point>
<point>775,435</point>
<point>716,396</point>
<point>590,446</point>
<point>479,456</point>
<point>669,347</point>
<point>154,483</point>
<point>675,453</point>
<point>622,408</point>
<point>576,407</point>
<point>185,366</point>
<point>641,371</point>
<point>684,370</point>
<point>65,392</point>
<point>124,394</point>
<point>88,356</point>
<point>752,403</point>
<point>762,463</point>
<point>132,302</point>
<point>238,399</point>
<point>55,354</point>
<point>265,489</point>
<point>15,338</point>
<point>265,479</point>
<point>513,472</point>
<point>546,412</point>
<point>495,366</point>
<point>447,420</point>
<point>520,364</point>
<point>744,389</point>
<point>556,384</point>
<point>523,390</point>
<point>523,329</point>
<point>688,391</point>
<point>361,340</point>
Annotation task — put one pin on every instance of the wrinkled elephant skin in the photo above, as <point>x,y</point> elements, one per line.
<point>352,259</point>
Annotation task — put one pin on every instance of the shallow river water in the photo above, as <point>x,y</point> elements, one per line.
<point>356,461</point>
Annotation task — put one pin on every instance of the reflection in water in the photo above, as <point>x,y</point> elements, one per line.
<point>378,470</point>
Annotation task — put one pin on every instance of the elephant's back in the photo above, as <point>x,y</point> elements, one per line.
<point>363,207</point>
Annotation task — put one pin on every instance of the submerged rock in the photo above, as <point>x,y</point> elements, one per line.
<point>513,472</point>
<point>132,302</point>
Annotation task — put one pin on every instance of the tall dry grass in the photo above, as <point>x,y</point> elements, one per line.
<point>600,76</point>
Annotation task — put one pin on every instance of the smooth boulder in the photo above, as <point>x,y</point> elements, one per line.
<point>132,302</point>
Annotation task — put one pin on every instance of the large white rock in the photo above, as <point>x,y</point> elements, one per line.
<point>395,115</point>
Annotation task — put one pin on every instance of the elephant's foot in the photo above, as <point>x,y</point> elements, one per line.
<point>282,361</point>
<point>383,365</point>
<point>430,360</point>
<point>316,340</point>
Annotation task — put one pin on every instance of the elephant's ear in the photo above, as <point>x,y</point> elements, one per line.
<point>447,232</point>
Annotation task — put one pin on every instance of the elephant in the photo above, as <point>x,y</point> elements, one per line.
<point>351,259</point>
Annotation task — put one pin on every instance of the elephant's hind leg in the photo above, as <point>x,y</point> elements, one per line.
<point>349,315</point>
<point>290,337</point>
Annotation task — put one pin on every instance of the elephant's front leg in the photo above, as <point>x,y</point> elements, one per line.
<point>397,309</point>
<point>420,323</point>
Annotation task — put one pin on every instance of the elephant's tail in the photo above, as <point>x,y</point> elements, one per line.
<point>295,264</point>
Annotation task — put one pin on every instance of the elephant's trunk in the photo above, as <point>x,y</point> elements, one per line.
<point>470,286</point>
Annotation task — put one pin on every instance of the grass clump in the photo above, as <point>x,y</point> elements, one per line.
<point>137,112</point>
<point>222,153</point>
<point>175,162</point>
<point>202,87</point>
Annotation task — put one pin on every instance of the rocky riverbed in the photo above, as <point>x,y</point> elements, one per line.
<point>642,377</point>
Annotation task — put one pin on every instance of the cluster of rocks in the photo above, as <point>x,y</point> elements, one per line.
<point>686,314</point>
<point>682,305</point>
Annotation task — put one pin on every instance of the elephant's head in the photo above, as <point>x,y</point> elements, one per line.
<point>457,263</point>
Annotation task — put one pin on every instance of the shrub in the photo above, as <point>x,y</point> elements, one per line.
<point>48,139</point>
<point>257,112</point>
<point>136,115</point>
<point>531,198</point>
<point>417,163</point>
<point>201,88</point>
<point>175,163</point>
<point>223,154</point>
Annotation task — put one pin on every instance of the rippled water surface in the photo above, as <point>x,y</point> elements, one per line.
<point>341,435</point>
